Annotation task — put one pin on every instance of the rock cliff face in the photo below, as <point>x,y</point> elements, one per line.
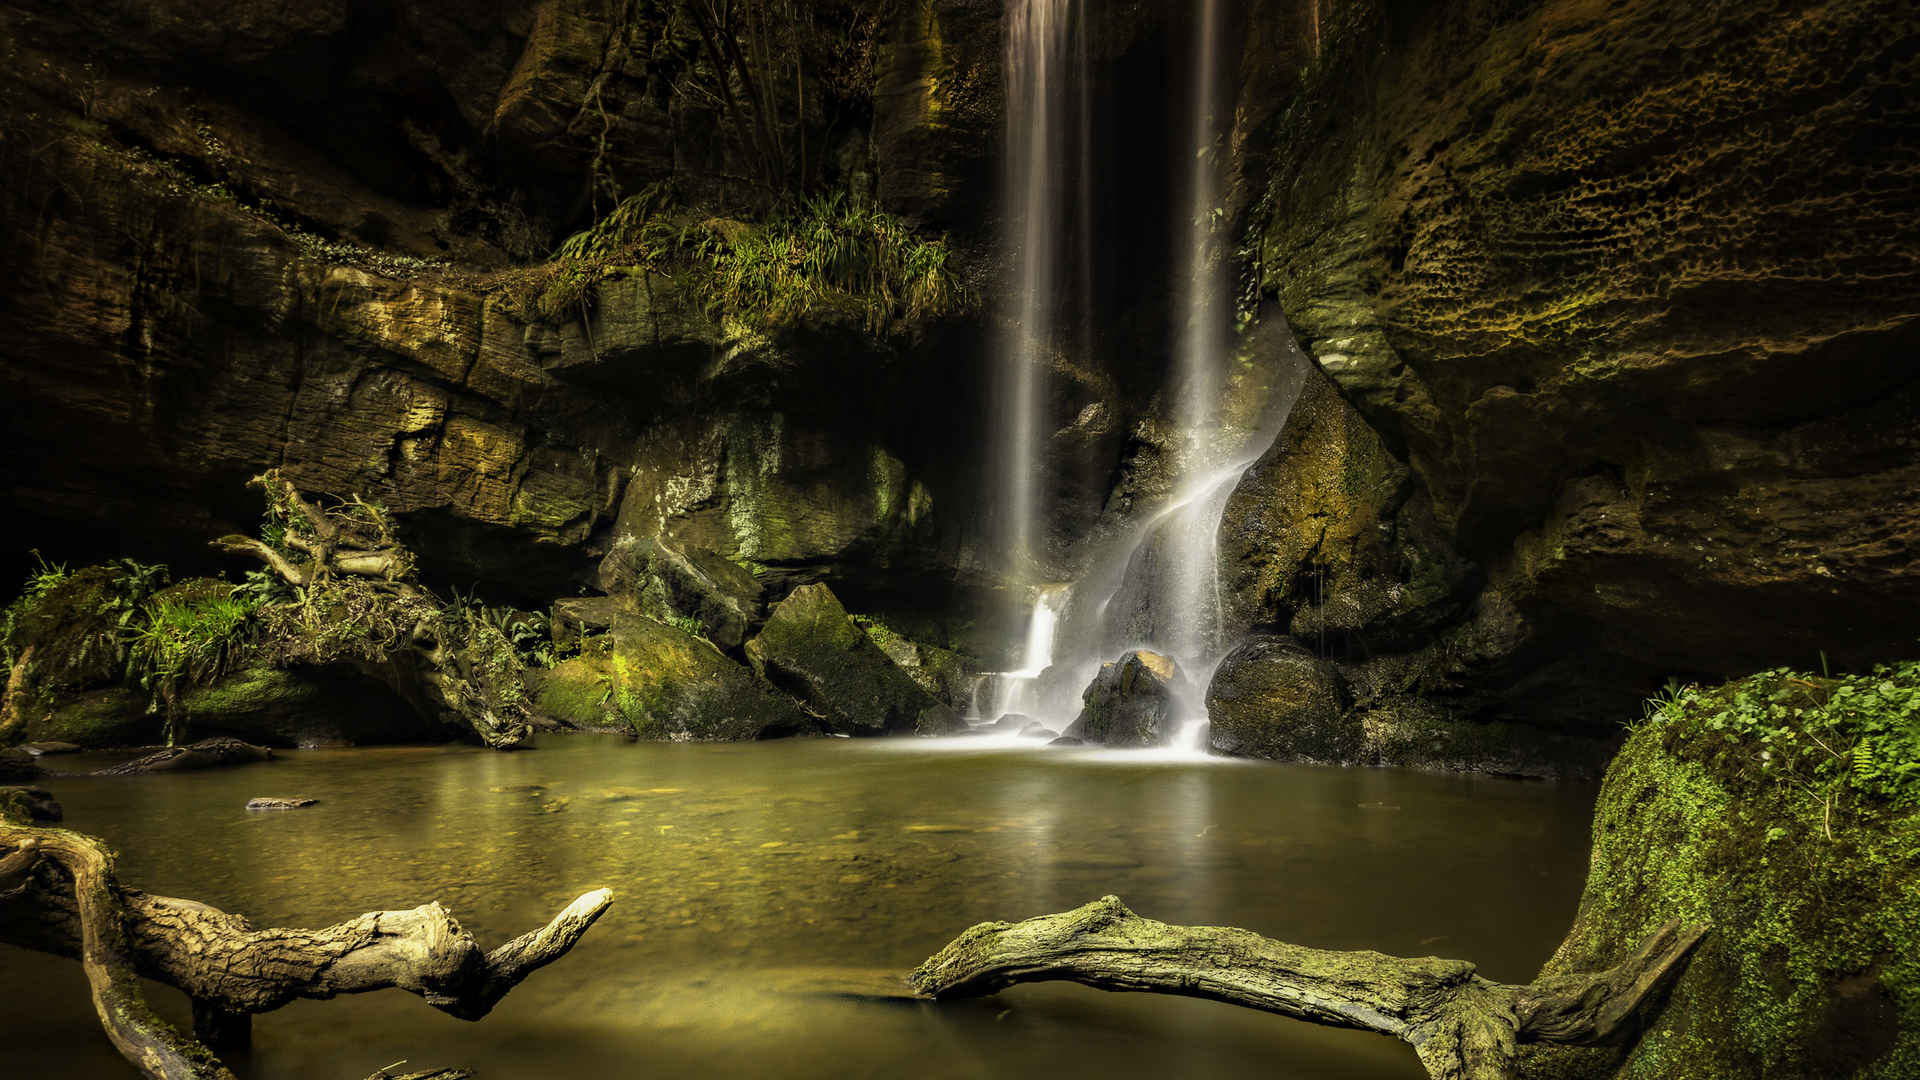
<point>1612,309</point>
<point>277,235</point>
<point>1627,296</point>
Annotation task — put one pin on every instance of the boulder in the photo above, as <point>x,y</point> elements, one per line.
<point>15,765</point>
<point>112,716</point>
<point>1131,702</point>
<point>1270,698</point>
<point>938,671</point>
<point>37,803</point>
<point>662,683</point>
<point>811,649</point>
<point>306,707</point>
<point>939,719</point>
<point>669,581</point>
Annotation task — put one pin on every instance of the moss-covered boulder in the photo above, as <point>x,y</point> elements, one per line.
<point>1270,698</point>
<point>305,707</point>
<point>110,716</point>
<point>1130,702</point>
<point>70,628</point>
<point>1783,809</point>
<point>813,650</point>
<point>660,682</point>
<point>670,582</point>
<point>940,672</point>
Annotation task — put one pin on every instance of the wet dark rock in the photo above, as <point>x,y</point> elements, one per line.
<point>1068,740</point>
<point>1037,730</point>
<point>38,803</point>
<point>1012,721</point>
<point>575,618</point>
<point>275,803</point>
<point>17,765</point>
<point>1130,702</point>
<point>1269,698</point>
<point>205,754</point>
<point>662,579</point>
<point>939,719</point>
<point>813,650</point>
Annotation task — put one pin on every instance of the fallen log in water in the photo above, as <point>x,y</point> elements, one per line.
<point>58,894</point>
<point>1463,1027</point>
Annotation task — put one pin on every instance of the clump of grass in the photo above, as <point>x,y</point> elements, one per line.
<point>834,254</point>
<point>828,257</point>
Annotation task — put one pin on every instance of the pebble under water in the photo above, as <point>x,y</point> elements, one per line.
<point>770,897</point>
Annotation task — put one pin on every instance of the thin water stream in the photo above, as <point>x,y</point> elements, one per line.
<point>768,893</point>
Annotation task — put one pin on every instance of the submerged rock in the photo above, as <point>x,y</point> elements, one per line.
<point>272,803</point>
<point>1270,698</point>
<point>46,749</point>
<point>813,650</point>
<point>662,683</point>
<point>1130,702</point>
<point>657,577</point>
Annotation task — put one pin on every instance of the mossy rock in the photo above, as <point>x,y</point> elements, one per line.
<point>305,707</point>
<point>670,581</point>
<point>813,650</point>
<point>940,672</point>
<point>73,630</point>
<point>113,716</point>
<point>1812,967</point>
<point>662,683</point>
<point>1272,699</point>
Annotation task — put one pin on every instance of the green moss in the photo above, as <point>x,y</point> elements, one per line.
<point>1807,867</point>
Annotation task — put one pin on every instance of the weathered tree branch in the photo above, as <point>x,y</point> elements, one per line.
<point>1463,1027</point>
<point>63,899</point>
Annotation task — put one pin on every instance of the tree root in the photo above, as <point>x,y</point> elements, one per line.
<point>58,894</point>
<point>1463,1027</point>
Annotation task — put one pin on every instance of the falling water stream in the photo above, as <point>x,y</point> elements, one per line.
<point>1173,551</point>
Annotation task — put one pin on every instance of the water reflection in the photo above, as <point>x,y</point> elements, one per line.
<point>767,891</point>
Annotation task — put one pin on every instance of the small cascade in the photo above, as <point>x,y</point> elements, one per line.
<point>1003,693</point>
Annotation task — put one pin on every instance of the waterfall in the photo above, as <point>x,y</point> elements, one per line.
<point>1194,631</point>
<point>1156,586</point>
<point>1047,101</point>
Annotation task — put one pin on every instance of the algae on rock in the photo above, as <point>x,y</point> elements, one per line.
<point>1785,809</point>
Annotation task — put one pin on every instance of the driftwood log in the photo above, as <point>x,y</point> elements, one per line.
<point>58,894</point>
<point>429,665</point>
<point>1462,1026</point>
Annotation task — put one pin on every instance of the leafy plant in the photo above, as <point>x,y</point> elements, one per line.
<point>1854,738</point>
<point>688,624</point>
<point>181,643</point>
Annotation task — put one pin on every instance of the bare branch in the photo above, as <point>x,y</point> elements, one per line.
<point>1462,1026</point>
<point>232,970</point>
